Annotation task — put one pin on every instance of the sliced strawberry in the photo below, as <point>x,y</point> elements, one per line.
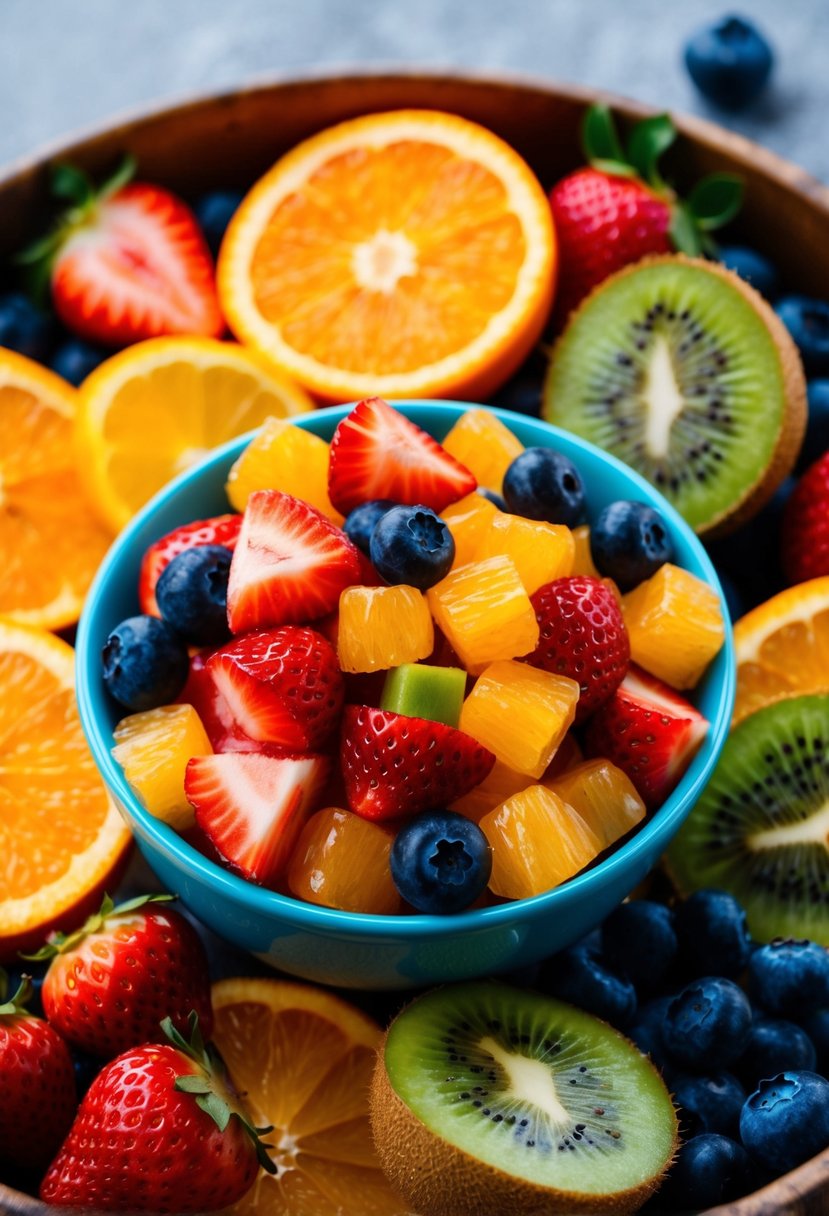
<point>289,566</point>
<point>394,765</point>
<point>377,453</point>
<point>252,807</point>
<point>282,686</point>
<point>649,731</point>
<point>221,530</point>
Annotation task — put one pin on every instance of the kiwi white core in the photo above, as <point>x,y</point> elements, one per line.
<point>814,830</point>
<point>662,399</point>
<point>528,1081</point>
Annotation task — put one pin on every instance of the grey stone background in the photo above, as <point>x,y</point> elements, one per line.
<point>69,64</point>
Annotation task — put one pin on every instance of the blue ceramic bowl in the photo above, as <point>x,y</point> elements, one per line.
<point>350,949</point>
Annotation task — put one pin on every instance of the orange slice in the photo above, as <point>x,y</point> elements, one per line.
<point>61,839</point>
<point>405,254</point>
<point>782,647</point>
<point>303,1061</point>
<point>156,408</point>
<point>50,541</point>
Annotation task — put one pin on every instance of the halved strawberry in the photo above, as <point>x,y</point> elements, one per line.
<point>220,530</point>
<point>377,453</point>
<point>649,731</point>
<point>282,686</point>
<point>289,566</point>
<point>394,765</point>
<point>127,262</point>
<point>252,807</point>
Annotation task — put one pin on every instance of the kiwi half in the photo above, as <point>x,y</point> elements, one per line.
<point>494,1101</point>
<point>681,369</point>
<point>761,828</point>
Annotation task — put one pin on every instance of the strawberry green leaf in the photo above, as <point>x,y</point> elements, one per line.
<point>72,184</point>
<point>62,943</point>
<point>192,1083</point>
<point>599,136</point>
<point>683,231</point>
<point>213,1105</point>
<point>613,168</point>
<point>17,1004</point>
<point>646,143</point>
<point>123,174</point>
<point>716,200</point>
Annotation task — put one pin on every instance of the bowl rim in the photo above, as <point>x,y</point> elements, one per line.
<point>306,915</point>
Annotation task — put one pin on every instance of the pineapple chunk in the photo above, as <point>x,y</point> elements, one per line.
<point>469,520</point>
<point>485,613</point>
<point>480,441</point>
<point>540,551</point>
<point>153,748</point>
<point>604,797</point>
<point>382,627</point>
<point>675,625</point>
<point>287,458</point>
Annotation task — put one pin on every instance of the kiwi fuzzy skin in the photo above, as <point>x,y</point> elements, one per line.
<point>793,426</point>
<point>437,1179</point>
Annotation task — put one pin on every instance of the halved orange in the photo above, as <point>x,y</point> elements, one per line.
<point>50,540</point>
<point>404,254</point>
<point>782,647</point>
<point>61,838</point>
<point>303,1059</point>
<point>157,407</point>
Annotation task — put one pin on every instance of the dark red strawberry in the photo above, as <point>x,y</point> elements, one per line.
<point>620,209</point>
<point>161,1130</point>
<point>394,765</point>
<point>252,807</point>
<point>282,686</point>
<point>221,530</point>
<point>805,528</point>
<point>290,564</point>
<point>38,1102</point>
<point>127,262</point>
<point>377,453</point>
<point>582,635</point>
<point>110,983</point>
<point>649,731</point>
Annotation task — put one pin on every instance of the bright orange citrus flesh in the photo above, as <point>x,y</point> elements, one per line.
<point>50,541</point>
<point>61,838</point>
<point>303,1059</point>
<point>409,253</point>
<point>782,647</point>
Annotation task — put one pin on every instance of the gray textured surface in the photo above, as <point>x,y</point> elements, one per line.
<point>68,64</point>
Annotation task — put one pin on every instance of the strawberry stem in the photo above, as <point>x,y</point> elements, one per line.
<point>18,1003</point>
<point>62,943</point>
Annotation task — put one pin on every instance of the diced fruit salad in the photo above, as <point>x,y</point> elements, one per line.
<point>406,675</point>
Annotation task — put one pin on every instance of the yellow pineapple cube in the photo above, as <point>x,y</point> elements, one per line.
<point>541,551</point>
<point>382,627</point>
<point>501,784</point>
<point>521,714</point>
<point>153,748</point>
<point>480,441</point>
<point>537,842</point>
<point>604,797</point>
<point>582,557</point>
<point>287,458</point>
<point>484,612</point>
<point>675,625</point>
<point>469,520</point>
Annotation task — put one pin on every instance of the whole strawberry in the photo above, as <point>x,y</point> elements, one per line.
<point>582,635</point>
<point>38,1080</point>
<point>111,983</point>
<point>159,1130</point>
<point>619,209</point>
<point>805,527</point>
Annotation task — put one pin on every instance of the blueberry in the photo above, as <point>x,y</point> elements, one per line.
<point>440,862</point>
<point>708,1103</point>
<point>74,359</point>
<point>816,1026</point>
<point>145,663</point>
<point>638,938</point>
<point>359,523</point>
<point>789,977</point>
<point>774,1045</point>
<point>709,1170</point>
<point>412,545</point>
<point>707,1024</point>
<point>582,976</point>
<point>751,266</point>
<point>713,934</point>
<point>629,542</point>
<point>816,441</point>
<point>786,1120</point>
<point>807,321</point>
<point>729,62</point>
<point>543,484</point>
<point>495,499</point>
<point>25,328</point>
<point>214,212</point>
<point>191,594</point>
<point>646,1029</point>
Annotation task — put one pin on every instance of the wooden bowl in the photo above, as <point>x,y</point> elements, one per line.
<point>229,139</point>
